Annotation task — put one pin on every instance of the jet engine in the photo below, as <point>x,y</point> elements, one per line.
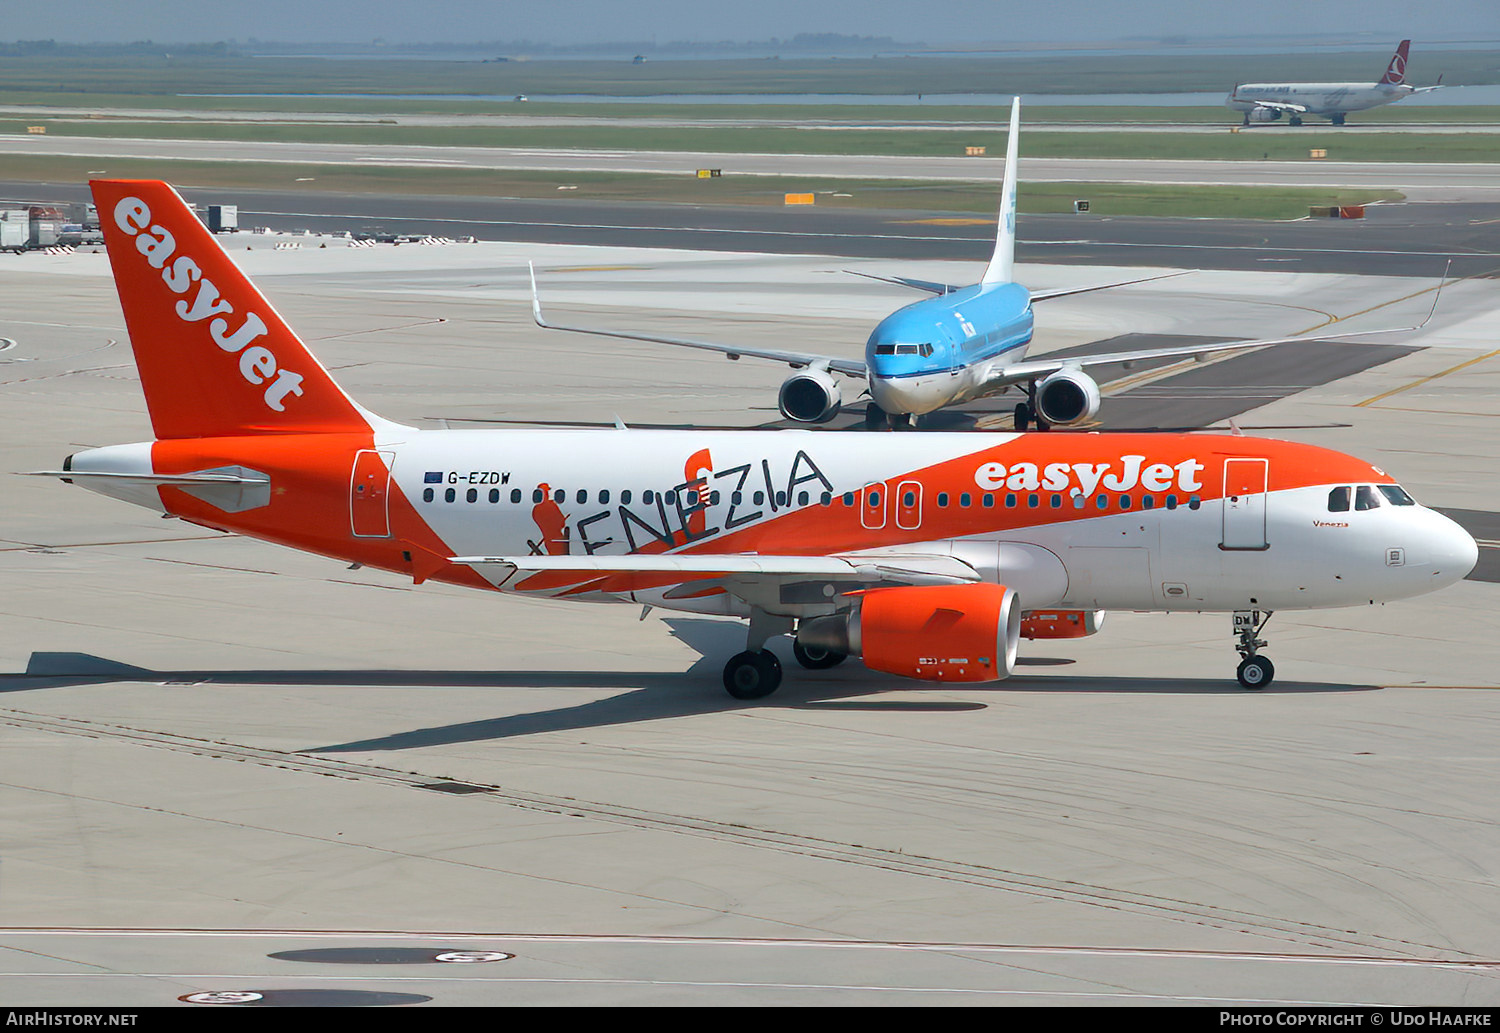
<point>1061,623</point>
<point>1264,115</point>
<point>950,633</point>
<point>1067,397</point>
<point>810,396</point>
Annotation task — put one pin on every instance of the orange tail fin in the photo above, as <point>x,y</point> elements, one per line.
<point>214,357</point>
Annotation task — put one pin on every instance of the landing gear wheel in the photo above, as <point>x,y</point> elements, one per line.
<point>902,421</point>
<point>874,415</point>
<point>1023,416</point>
<point>752,674</point>
<point>815,658</point>
<point>1256,672</point>
<point>1294,120</point>
<point>1337,120</point>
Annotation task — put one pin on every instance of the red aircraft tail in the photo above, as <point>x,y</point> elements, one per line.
<point>1395,74</point>
<point>214,357</point>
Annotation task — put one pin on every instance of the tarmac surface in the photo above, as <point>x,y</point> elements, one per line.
<point>232,768</point>
<point>1415,239</point>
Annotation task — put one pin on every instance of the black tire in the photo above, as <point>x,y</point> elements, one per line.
<point>902,421</point>
<point>1256,672</point>
<point>1023,416</point>
<point>816,659</point>
<point>752,674</point>
<point>874,415</point>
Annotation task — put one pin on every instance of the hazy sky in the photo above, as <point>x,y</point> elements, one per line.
<point>663,21</point>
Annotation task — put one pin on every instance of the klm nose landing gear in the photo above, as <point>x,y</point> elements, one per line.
<point>1255,671</point>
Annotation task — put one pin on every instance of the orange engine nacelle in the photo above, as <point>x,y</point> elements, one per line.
<point>1061,623</point>
<point>964,633</point>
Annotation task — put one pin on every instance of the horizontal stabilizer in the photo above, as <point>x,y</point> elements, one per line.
<point>175,480</point>
<point>1067,291</point>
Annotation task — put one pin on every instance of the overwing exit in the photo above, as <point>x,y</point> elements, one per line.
<point>964,343</point>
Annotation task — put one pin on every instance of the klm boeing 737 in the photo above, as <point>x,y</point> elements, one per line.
<point>962,344</point>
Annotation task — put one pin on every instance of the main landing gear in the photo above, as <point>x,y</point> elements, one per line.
<point>756,673</point>
<point>1255,671</point>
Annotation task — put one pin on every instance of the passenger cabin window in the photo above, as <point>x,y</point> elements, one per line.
<point>1366,497</point>
<point>1396,496</point>
<point>1338,499</point>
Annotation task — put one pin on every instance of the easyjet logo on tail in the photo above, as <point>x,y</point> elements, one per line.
<point>180,273</point>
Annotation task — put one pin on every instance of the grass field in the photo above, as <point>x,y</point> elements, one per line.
<point>1165,72</point>
<point>1226,146</point>
<point>979,198</point>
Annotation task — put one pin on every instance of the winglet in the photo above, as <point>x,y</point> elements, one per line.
<point>1002,262</point>
<point>1436,296</point>
<point>536,300</point>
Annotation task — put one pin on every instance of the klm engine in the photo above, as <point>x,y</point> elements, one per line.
<point>811,396</point>
<point>1067,397</point>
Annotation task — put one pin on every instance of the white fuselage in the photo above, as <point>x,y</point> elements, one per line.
<point>1317,98</point>
<point>1086,521</point>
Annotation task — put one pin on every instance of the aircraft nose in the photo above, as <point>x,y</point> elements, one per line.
<point>1454,551</point>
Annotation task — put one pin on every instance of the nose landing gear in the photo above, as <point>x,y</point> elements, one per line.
<point>1255,671</point>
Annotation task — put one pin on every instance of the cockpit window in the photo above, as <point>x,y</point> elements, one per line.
<point>1365,497</point>
<point>1338,500</point>
<point>906,349</point>
<point>885,349</point>
<point>1396,496</point>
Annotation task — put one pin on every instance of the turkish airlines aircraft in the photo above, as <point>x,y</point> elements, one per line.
<point>928,555</point>
<point>1267,102</point>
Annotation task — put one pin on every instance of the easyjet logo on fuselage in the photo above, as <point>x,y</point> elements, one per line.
<point>258,364</point>
<point>1087,478</point>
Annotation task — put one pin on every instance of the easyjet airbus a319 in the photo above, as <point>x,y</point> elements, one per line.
<point>927,555</point>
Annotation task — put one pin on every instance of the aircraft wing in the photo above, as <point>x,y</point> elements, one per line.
<point>1275,105</point>
<point>948,288</point>
<point>750,574</point>
<point>797,360</point>
<point>1035,370</point>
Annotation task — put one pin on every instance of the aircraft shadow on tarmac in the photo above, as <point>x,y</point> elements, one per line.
<point>645,695</point>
